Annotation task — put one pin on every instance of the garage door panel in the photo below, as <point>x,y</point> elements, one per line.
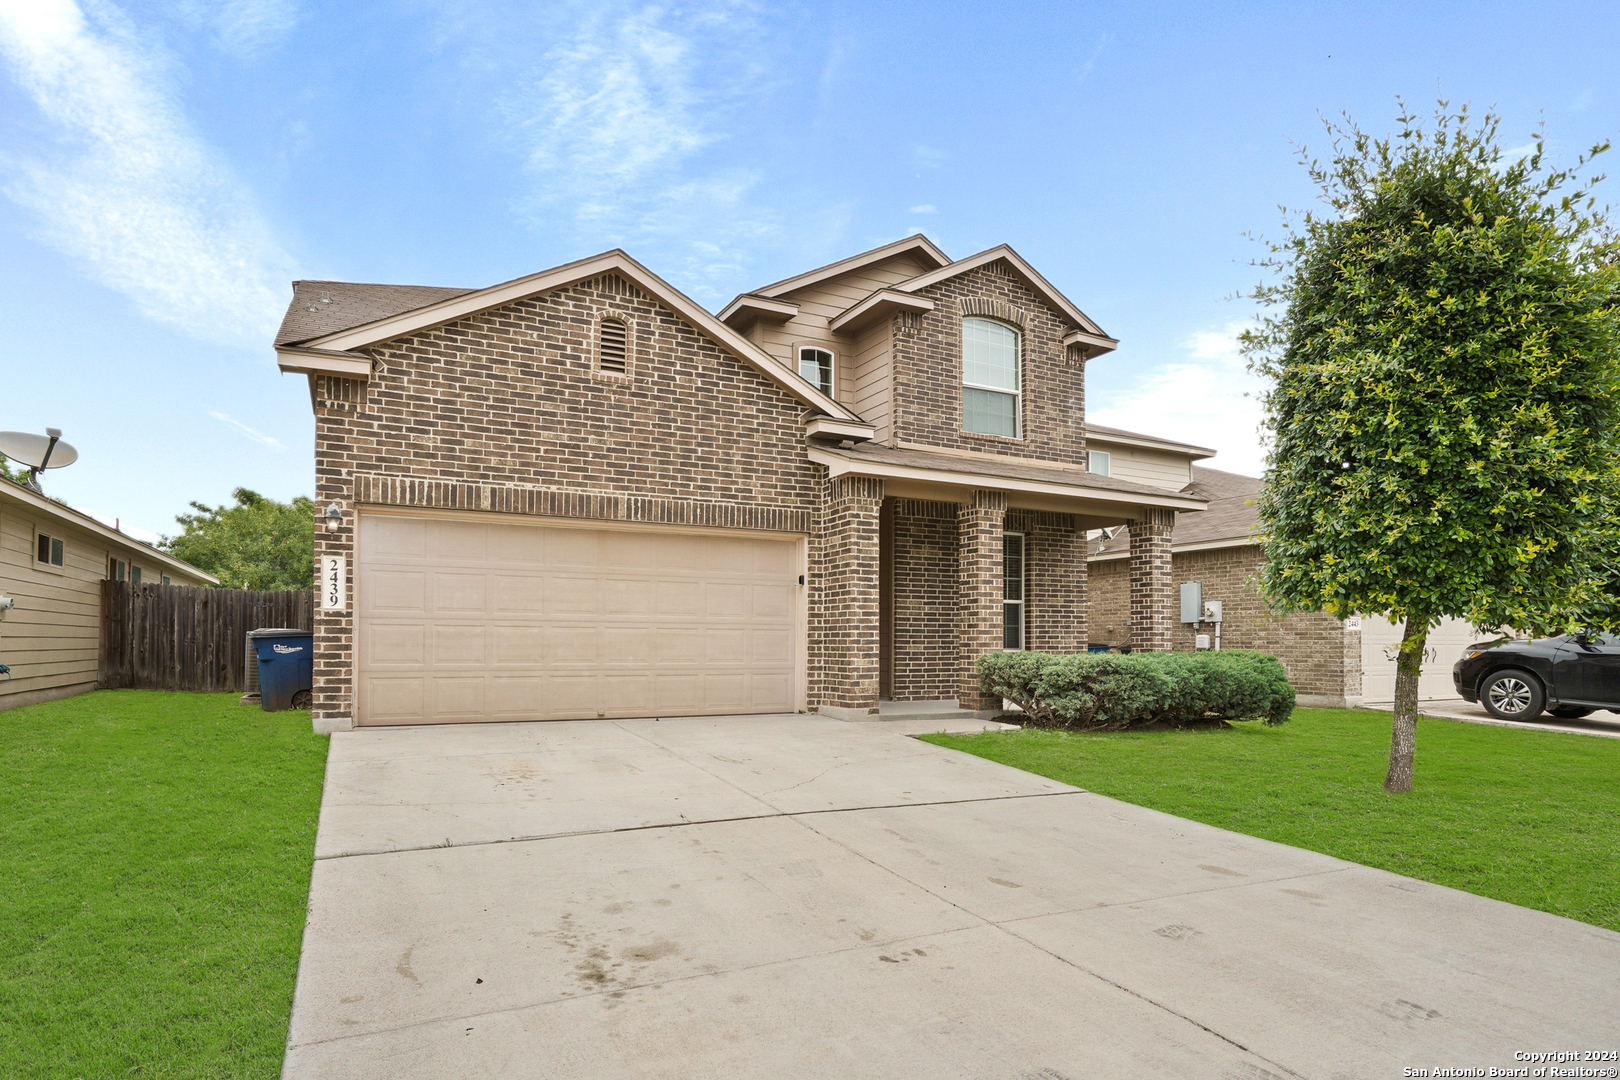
<point>395,700</point>
<point>519,594</point>
<point>457,699</point>
<point>394,643</point>
<point>471,621</point>
<point>395,591</point>
<point>457,542</point>
<point>681,600</point>
<point>459,645</point>
<point>518,645</point>
<point>571,547</point>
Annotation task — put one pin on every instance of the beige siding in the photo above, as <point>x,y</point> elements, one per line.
<point>820,303</point>
<point>870,388</point>
<point>51,639</point>
<point>1160,468</point>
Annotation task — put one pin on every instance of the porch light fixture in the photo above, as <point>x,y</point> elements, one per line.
<point>333,516</point>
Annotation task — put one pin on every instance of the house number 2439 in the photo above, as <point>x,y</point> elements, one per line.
<point>334,583</point>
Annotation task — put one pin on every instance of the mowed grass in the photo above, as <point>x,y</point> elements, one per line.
<point>155,854</point>
<point>1529,817</point>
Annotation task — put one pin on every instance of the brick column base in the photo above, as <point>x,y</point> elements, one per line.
<point>848,609</point>
<point>979,527</point>
<point>1152,587</point>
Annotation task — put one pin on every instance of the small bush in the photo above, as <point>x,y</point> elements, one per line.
<point>1108,691</point>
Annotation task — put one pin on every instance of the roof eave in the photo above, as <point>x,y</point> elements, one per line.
<point>1030,275</point>
<point>46,505</point>
<point>914,244</point>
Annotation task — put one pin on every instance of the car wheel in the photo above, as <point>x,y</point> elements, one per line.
<point>1512,695</point>
<point>1570,712</point>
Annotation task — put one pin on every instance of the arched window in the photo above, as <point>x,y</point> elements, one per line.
<point>816,365</point>
<point>613,351</point>
<point>990,378</point>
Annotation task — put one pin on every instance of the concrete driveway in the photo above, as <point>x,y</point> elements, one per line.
<point>793,896</point>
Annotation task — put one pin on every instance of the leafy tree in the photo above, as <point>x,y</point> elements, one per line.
<point>1446,367</point>
<point>257,544</point>
<point>8,471</point>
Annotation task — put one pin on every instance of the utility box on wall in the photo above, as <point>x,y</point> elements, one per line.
<point>1192,601</point>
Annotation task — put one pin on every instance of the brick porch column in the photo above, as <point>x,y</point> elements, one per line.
<point>978,592</point>
<point>1056,568</point>
<point>1151,583</point>
<point>848,618</point>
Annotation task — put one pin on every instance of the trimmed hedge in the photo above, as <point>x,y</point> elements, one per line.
<point>1109,691</point>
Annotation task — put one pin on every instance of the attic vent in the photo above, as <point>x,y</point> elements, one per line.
<point>615,351</point>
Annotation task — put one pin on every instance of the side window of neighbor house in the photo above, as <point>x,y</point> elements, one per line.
<point>816,365</point>
<point>990,378</point>
<point>115,568</point>
<point>1012,595</point>
<point>135,574</point>
<point>49,550</point>
<point>1100,462</point>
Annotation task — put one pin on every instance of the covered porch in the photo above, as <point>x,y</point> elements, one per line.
<point>932,559</point>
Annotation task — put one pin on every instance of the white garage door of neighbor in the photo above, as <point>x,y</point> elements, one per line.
<point>1379,640</point>
<point>463,620</point>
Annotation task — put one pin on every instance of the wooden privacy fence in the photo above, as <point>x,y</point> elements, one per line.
<point>180,637</point>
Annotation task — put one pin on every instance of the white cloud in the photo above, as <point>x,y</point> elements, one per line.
<point>1208,399</point>
<point>138,199</point>
<point>242,27</point>
<point>615,124</point>
<point>925,208</point>
<point>249,433</point>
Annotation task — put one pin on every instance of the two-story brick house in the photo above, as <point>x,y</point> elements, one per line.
<point>578,494</point>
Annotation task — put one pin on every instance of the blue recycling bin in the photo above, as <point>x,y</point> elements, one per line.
<point>286,668</point>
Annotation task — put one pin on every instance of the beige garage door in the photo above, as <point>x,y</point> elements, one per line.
<point>469,620</point>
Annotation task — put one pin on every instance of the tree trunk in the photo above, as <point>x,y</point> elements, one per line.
<point>1403,740</point>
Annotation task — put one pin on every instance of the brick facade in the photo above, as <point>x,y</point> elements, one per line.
<point>1055,580</point>
<point>844,605</point>
<point>1152,595</point>
<point>927,375</point>
<point>505,410</point>
<point>923,601</point>
<point>979,526</point>
<point>1322,658</point>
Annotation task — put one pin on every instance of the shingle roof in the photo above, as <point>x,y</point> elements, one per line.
<point>1230,515</point>
<point>1012,468</point>
<point>319,308</point>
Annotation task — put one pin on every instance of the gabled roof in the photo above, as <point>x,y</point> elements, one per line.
<point>1230,520</point>
<point>917,245</point>
<point>10,490</point>
<point>320,308</point>
<point>456,304</point>
<point>1030,276</point>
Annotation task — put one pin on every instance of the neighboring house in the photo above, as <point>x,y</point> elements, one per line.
<point>578,494</point>
<point>52,562</point>
<point>1330,663</point>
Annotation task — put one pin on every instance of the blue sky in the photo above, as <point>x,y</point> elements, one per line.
<point>168,168</point>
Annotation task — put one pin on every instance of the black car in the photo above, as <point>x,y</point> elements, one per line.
<point>1568,676</point>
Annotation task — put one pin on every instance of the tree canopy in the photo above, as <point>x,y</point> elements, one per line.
<point>1445,378</point>
<point>258,543</point>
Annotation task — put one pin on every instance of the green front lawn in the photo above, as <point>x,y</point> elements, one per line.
<point>155,853</point>
<point>1529,817</point>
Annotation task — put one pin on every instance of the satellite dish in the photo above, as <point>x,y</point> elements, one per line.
<point>38,452</point>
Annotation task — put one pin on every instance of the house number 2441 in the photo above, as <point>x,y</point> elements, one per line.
<point>334,583</point>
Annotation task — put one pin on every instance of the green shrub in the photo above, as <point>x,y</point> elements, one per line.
<point>1113,691</point>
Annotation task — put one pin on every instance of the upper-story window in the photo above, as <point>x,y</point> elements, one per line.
<point>816,365</point>
<point>990,380</point>
<point>1099,462</point>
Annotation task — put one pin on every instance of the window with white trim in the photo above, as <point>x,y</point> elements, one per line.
<point>613,347</point>
<point>135,575</point>
<point>1100,462</point>
<point>990,378</point>
<point>48,549</point>
<point>816,366</point>
<point>1012,591</point>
